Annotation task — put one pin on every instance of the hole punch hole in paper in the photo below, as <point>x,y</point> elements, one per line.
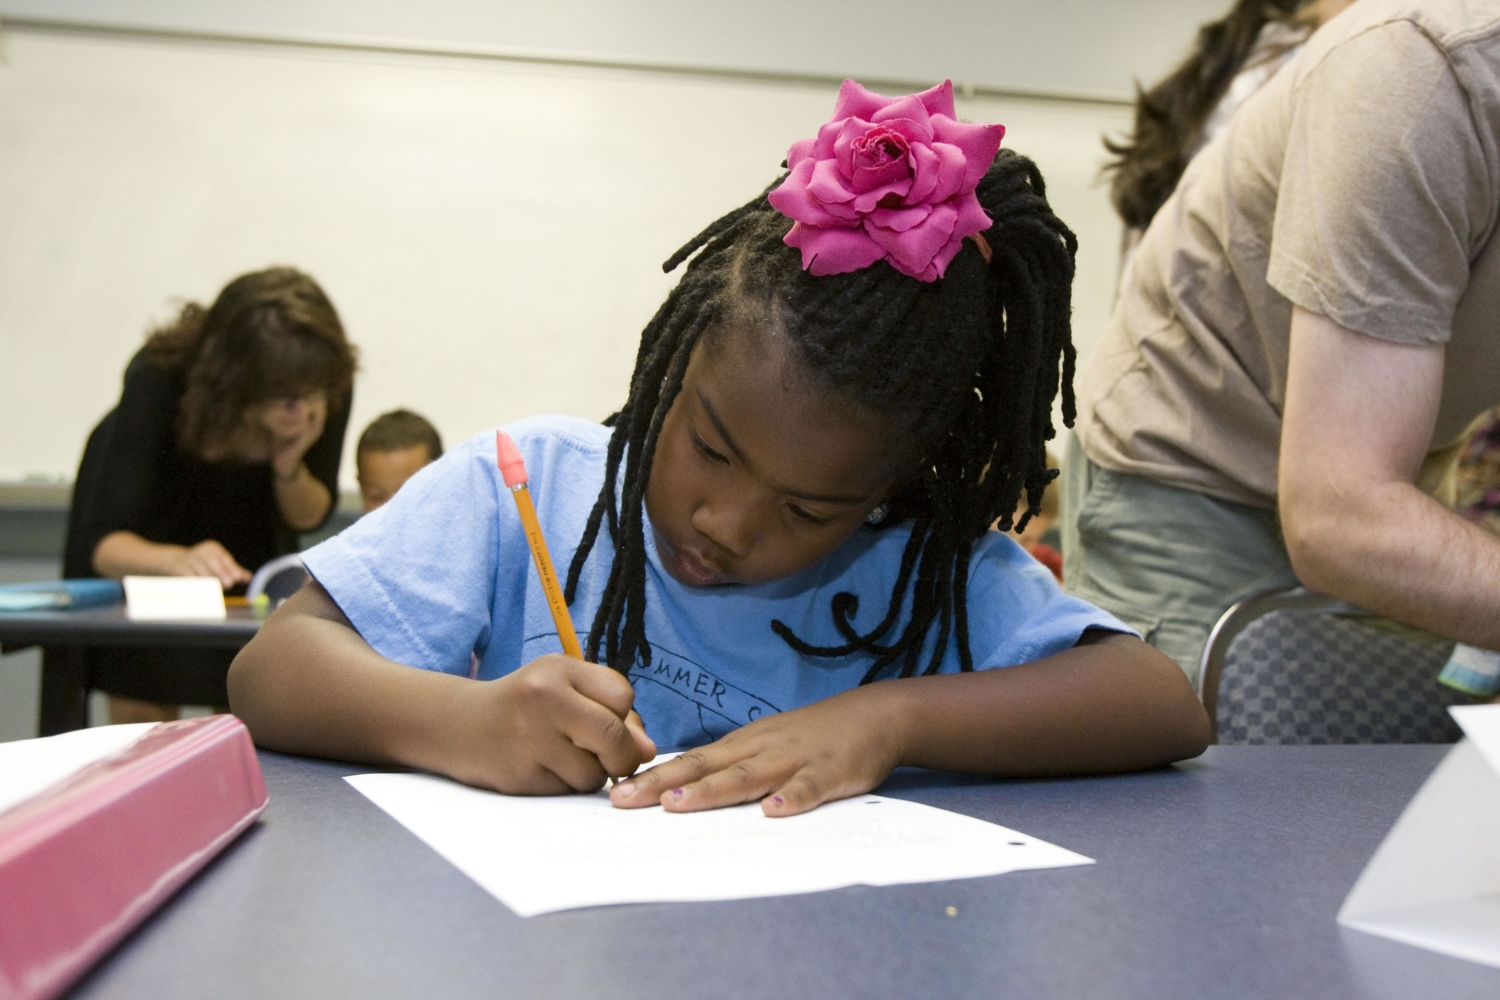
<point>173,598</point>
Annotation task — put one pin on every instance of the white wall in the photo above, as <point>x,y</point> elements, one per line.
<point>490,231</point>
<point>1056,46</point>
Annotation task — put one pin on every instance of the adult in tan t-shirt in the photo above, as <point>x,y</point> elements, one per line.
<point>1314,310</point>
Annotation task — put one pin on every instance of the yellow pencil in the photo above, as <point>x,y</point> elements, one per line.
<point>513,469</point>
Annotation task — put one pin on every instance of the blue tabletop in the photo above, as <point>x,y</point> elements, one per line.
<point>1216,878</point>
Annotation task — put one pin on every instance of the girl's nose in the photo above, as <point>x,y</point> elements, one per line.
<point>729,525</point>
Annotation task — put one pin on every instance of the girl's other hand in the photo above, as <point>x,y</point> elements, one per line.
<point>209,558</point>
<point>295,427</point>
<point>792,762</point>
<point>555,726</point>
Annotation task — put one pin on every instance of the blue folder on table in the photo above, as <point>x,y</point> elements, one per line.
<point>55,595</point>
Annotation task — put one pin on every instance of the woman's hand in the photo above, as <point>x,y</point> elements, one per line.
<point>124,553</point>
<point>209,558</point>
<point>288,449</point>
<point>792,762</point>
<point>555,726</point>
<point>294,426</point>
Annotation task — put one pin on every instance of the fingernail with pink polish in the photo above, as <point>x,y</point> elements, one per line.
<point>778,800</point>
<point>677,793</point>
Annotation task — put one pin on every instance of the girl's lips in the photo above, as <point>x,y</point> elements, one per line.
<point>691,568</point>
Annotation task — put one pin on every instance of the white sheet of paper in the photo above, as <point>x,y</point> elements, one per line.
<point>29,766</point>
<point>1481,724</point>
<point>539,855</point>
<point>1434,882</point>
<point>173,598</point>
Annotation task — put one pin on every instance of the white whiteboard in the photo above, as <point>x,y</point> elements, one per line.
<point>491,232</point>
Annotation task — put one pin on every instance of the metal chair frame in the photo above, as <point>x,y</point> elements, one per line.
<point>270,570</point>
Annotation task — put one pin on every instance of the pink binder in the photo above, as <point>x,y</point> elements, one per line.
<point>89,858</point>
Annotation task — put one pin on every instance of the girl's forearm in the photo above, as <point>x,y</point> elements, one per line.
<point>302,498</point>
<point>1113,704</point>
<point>308,684</point>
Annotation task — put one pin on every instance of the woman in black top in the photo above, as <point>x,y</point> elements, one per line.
<point>224,446</point>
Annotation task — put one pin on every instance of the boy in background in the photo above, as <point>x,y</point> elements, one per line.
<point>391,450</point>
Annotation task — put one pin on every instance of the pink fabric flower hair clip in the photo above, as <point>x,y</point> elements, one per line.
<point>888,178</point>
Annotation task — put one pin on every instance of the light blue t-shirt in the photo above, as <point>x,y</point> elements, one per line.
<point>443,573</point>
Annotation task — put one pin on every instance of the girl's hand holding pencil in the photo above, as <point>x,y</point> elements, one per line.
<point>568,724</point>
<point>555,726</point>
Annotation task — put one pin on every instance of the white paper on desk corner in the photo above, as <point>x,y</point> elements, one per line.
<point>543,854</point>
<point>1434,882</point>
<point>30,766</point>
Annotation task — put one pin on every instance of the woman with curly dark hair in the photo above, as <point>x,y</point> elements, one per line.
<point>224,446</point>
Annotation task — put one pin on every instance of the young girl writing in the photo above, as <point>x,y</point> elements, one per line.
<point>782,545</point>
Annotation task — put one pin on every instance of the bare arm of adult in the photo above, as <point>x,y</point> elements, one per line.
<point>124,553</point>
<point>1109,704</point>
<point>1358,421</point>
<point>308,683</point>
<point>302,499</point>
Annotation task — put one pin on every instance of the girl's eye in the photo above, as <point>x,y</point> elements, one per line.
<point>706,451</point>
<point>804,515</point>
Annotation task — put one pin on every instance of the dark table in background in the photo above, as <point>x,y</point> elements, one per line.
<point>65,634</point>
<point>1219,878</point>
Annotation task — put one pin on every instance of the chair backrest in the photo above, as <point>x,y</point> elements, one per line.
<point>1292,666</point>
<point>278,579</point>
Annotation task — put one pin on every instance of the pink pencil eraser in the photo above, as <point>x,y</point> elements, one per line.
<point>508,457</point>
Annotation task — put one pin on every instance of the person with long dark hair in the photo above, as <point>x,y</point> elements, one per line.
<point>1231,59</point>
<point>780,545</point>
<point>225,444</point>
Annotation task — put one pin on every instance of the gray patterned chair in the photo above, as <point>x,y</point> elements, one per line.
<point>1292,666</point>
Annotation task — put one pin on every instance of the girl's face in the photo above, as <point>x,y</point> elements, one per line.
<point>757,476</point>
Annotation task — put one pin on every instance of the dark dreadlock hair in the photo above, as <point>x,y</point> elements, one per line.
<point>968,364</point>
